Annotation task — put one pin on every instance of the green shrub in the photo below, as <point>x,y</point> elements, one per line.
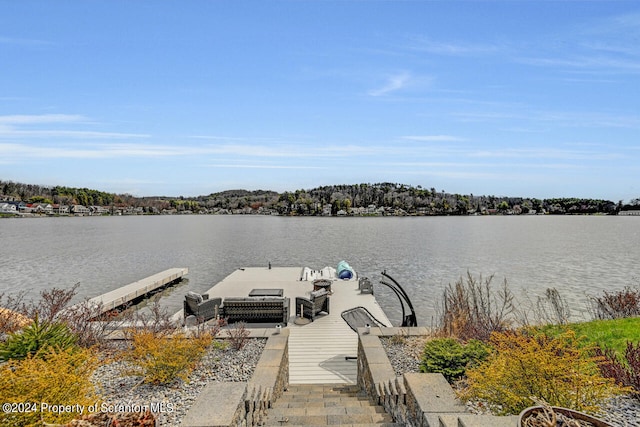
<point>36,337</point>
<point>450,358</point>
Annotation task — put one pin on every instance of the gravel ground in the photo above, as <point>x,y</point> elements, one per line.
<point>123,392</point>
<point>405,353</point>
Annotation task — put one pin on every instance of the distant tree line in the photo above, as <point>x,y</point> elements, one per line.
<point>419,200</point>
<point>393,198</point>
<point>62,195</point>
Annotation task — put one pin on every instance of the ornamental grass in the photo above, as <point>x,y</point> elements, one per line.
<point>561,370</point>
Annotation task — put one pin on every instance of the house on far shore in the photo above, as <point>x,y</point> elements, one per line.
<point>8,208</point>
<point>24,208</point>
<point>79,210</point>
<point>41,208</point>
<point>60,209</point>
<point>98,210</point>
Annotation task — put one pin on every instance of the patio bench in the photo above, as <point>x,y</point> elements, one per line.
<point>256,309</point>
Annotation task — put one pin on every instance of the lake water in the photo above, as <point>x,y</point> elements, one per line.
<point>578,255</point>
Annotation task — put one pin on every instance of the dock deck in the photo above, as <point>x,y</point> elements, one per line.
<point>317,350</point>
<point>126,294</point>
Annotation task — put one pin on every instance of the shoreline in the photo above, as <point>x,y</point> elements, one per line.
<point>385,215</point>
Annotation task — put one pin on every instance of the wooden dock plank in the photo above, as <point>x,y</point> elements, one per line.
<point>317,350</point>
<point>125,294</point>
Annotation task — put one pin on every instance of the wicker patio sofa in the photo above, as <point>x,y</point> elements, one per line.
<point>310,307</point>
<point>256,309</point>
<point>201,306</point>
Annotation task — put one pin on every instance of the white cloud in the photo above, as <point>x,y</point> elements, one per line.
<point>589,63</point>
<point>8,132</point>
<point>259,166</point>
<point>546,153</point>
<point>560,118</point>
<point>21,126</point>
<point>21,119</point>
<point>432,138</point>
<point>217,138</point>
<point>423,44</point>
<point>394,83</point>
<point>254,150</point>
<point>291,150</point>
<point>98,151</point>
<point>23,42</point>
<point>605,47</point>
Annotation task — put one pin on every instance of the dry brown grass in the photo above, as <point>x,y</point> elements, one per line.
<point>12,321</point>
<point>473,309</point>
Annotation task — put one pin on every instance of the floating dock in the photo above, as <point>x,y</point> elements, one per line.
<point>322,351</point>
<point>130,293</point>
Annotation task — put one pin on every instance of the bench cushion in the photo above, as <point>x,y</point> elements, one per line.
<point>194,296</point>
<point>193,300</point>
<point>256,309</point>
<point>318,293</point>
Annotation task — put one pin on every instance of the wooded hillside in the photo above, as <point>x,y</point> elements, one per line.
<point>354,199</point>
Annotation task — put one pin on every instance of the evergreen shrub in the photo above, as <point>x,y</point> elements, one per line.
<point>35,337</point>
<point>451,358</point>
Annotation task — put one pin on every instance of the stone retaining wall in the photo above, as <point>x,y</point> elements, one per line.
<point>214,407</point>
<point>413,399</point>
<point>269,379</point>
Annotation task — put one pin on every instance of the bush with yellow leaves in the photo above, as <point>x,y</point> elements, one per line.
<point>32,387</point>
<point>560,370</point>
<point>161,358</point>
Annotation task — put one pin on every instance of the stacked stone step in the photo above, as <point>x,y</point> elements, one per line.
<point>326,404</point>
<point>470,420</point>
<point>429,401</point>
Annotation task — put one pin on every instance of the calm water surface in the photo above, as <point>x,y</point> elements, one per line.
<point>580,256</point>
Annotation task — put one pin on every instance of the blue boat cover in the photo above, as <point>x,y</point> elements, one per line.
<point>344,270</point>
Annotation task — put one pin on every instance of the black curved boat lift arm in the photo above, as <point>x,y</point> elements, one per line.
<point>407,320</point>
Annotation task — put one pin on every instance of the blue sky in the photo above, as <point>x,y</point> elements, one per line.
<point>518,98</point>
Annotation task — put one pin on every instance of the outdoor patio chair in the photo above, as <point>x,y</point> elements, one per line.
<point>309,307</point>
<point>201,306</point>
<point>365,285</point>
